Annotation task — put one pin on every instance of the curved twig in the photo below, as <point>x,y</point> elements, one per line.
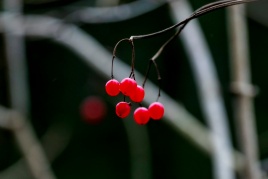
<point>199,12</point>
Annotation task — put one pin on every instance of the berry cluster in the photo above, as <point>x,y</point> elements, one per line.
<point>129,87</point>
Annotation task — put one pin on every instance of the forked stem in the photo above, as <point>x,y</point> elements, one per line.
<point>199,12</point>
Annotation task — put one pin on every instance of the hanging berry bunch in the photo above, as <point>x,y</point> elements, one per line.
<point>129,87</point>
<point>135,93</point>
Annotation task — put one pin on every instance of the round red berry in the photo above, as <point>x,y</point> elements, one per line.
<point>112,87</point>
<point>156,110</point>
<point>122,109</point>
<point>93,110</point>
<point>128,86</point>
<point>141,116</point>
<point>138,95</point>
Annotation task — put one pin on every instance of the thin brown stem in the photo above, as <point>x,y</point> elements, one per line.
<point>241,86</point>
<point>159,80</point>
<point>199,12</point>
<point>152,61</point>
<point>147,72</point>
<point>132,60</point>
<point>168,41</point>
<point>132,73</point>
<point>114,55</point>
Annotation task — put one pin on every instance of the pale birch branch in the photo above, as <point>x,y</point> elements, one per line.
<point>19,95</point>
<point>28,143</point>
<point>140,151</point>
<point>54,141</point>
<point>112,14</point>
<point>258,12</point>
<point>15,56</point>
<point>244,91</point>
<point>208,88</point>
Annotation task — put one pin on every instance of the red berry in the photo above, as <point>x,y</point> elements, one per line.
<point>112,87</point>
<point>141,115</point>
<point>128,86</point>
<point>156,110</point>
<point>93,110</point>
<point>122,109</point>
<point>138,95</point>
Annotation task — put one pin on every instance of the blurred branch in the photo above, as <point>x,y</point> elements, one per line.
<point>244,91</point>
<point>54,142</point>
<point>139,149</point>
<point>28,143</point>
<point>113,14</point>
<point>107,2</point>
<point>258,12</point>
<point>86,46</point>
<point>140,152</point>
<point>209,90</point>
<point>19,95</point>
<point>17,71</point>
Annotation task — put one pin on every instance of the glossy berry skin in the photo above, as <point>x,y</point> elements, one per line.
<point>112,87</point>
<point>141,116</point>
<point>156,110</point>
<point>138,95</point>
<point>128,86</point>
<point>122,109</point>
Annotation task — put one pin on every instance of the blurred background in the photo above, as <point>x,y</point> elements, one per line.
<point>55,58</point>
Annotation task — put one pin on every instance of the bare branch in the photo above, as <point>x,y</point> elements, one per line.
<point>17,70</point>
<point>208,87</point>
<point>112,14</point>
<point>19,95</point>
<point>199,12</point>
<point>28,144</point>
<point>241,76</point>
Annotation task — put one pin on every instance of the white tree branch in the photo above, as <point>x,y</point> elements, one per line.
<point>19,95</point>
<point>113,14</point>
<point>28,144</point>
<point>208,88</point>
<point>241,76</point>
